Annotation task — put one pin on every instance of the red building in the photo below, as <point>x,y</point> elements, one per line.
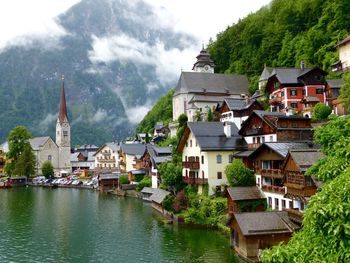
<point>296,89</point>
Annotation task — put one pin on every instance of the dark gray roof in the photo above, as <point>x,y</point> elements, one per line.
<point>344,41</point>
<point>282,148</point>
<point>108,176</point>
<point>262,223</point>
<point>203,58</point>
<point>266,73</point>
<point>199,82</point>
<point>245,193</point>
<point>305,158</point>
<point>289,75</point>
<point>203,98</point>
<point>159,195</point>
<point>335,83</point>
<point>243,154</point>
<point>148,190</point>
<point>262,113</point>
<point>133,148</point>
<point>37,142</point>
<point>210,136</point>
<point>238,104</point>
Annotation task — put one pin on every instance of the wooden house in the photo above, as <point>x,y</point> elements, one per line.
<point>156,196</point>
<point>18,181</point>
<point>262,126</point>
<point>296,89</point>
<point>245,199</point>
<point>333,93</point>
<point>254,231</point>
<point>343,64</point>
<point>108,181</point>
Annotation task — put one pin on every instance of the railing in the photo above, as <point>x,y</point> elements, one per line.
<point>193,165</point>
<point>253,131</point>
<point>252,146</point>
<point>275,101</point>
<point>274,189</point>
<point>273,173</point>
<point>300,190</point>
<point>193,180</point>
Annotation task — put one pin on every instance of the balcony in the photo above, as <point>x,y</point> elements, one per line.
<point>274,189</point>
<point>253,146</point>
<point>272,173</point>
<point>254,131</point>
<point>295,215</point>
<point>275,101</point>
<point>300,190</point>
<point>193,165</point>
<point>196,181</point>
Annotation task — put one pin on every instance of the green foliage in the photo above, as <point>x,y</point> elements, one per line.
<point>325,236</point>
<point>145,182</point>
<point>238,174</point>
<point>281,35</point>
<point>139,177</point>
<point>168,203</point>
<point>251,205</point>
<point>210,115</point>
<point>123,179</point>
<point>321,111</point>
<point>345,90</point>
<point>161,111</point>
<point>182,120</point>
<point>25,165</point>
<point>171,174</point>
<point>47,169</point>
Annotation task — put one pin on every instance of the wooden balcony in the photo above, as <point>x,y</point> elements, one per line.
<point>193,165</point>
<point>299,190</point>
<point>253,146</point>
<point>272,173</point>
<point>275,101</point>
<point>274,189</point>
<point>194,181</point>
<point>295,215</point>
<point>253,131</point>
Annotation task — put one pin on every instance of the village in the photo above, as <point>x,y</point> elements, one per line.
<point>272,137</point>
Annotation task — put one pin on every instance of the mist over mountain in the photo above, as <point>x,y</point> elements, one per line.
<point>117,57</point>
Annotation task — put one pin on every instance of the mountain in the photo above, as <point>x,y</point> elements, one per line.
<point>114,55</point>
<point>281,35</point>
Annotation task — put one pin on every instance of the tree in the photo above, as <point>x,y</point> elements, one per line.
<point>47,169</point>
<point>210,115</point>
<point>238,174</point>
<point>171,174</point>
<point>25,165</point>
<point>326,225</point>
<point>17,140</point>
<point>345,91</point>
<point>321,111</point>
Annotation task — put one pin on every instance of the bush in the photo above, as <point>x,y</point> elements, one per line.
<point>123,179</point>
<point>47,169</point>
<point>145,182</point>
<point>168,203</point>
<point>238,174</point>
<point>321,111</point>
<point>180,202</point>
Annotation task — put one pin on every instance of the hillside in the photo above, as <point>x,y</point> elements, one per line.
<point>282,34</point>
<point>109,56</point>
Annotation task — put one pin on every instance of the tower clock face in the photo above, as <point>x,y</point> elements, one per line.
<point>206,68</point>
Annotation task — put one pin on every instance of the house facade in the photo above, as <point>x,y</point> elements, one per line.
<point>343,63</point>
<point>130,155</point>
<point>207,148</point>
<point>106,158</point>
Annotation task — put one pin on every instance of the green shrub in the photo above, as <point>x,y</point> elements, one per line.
<point>123,179</point>
<point>238,174</point>
<point>139,177</point>
<point>321,111</point>
<point>145,182</point>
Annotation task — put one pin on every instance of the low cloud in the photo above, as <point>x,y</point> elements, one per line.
<point>167,62</point>
<point>47,122</point>
<point>100,115</point>
<point>136,114</point>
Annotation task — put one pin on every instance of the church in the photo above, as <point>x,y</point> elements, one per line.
<point>57,152</point>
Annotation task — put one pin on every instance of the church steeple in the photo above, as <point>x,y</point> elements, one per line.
<point>204,63</point>
<point>62,114</point>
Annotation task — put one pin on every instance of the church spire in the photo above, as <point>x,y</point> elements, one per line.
<point>62,114</point>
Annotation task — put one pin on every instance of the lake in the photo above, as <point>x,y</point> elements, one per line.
<point>80,225</point>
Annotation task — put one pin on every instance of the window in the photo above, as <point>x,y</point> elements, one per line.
<point>281,107</point>
<point>230,158</point>
<point>282,94</point>
<point>202,174</point>
<point>276,85</point>
<point>219,175</point>
<point>265,164</point>
<point>218,158</point>
<point>274,109</point>
<point>202,157</point>
<point>291,204</point>
<point>271,138</point>
<point>319,91</point>
<point>49,157</point>
<point>262,139</point>
<point>293,92</point>
<point>277,206</point>
<point>258,139</point>
<point>186,144</point>
<point>190,143</point>
<point>254,140</point>
<point>270,202</point>
<point>294,104</point>
<point>303,92</point>
<point>283,203</point>
<point>65,133</point>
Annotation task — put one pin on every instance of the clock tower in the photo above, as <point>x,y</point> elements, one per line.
<point>63,134</point>
<point>204,62</point>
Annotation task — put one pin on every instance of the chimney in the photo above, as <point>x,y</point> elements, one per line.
<point>302,65</point>
<point>227,129</point>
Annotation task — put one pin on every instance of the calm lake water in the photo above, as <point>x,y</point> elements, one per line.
<point>77,225</point>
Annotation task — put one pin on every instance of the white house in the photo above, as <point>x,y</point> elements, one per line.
<point>107,158</point>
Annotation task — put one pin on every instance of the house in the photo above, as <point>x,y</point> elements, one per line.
<point>262,126</point>
<point>152,158</point>
<point>108,181</point>
<point>18,181</point>
<point>253,231</point>
<point>106,158</point>
<point>245,199</point>
<point>83,161</point>
<point>296,89</point>
<point>269,173</point>
<point>156,196</point>
<point>86,148</point>
<point>201,90</point>
<point>238,110</point>
<point>2,160</point>
<point>333,93</point>
<point>343,63</point>
<point>160,129</point>
<point>206,149</point>
<point>299,186</point>
<point>129,154</point>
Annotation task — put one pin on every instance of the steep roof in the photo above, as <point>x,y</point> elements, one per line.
<point>199,82</point>
<point>335,83</point>
<point>266,73</point>
<point>37,142</point>
<point>133,148</point>
<point>344,41</point>
<point>305,158</point>
<point>289,75</point>
<point>114,146</point>
<point>211,137</point>
<point>262,223</point>
<point>203,98</point>
<point>245,193</point>
<point>62,113</point>
<point>203,58</point>
<point>159,195</point>
<point>236,104</point>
